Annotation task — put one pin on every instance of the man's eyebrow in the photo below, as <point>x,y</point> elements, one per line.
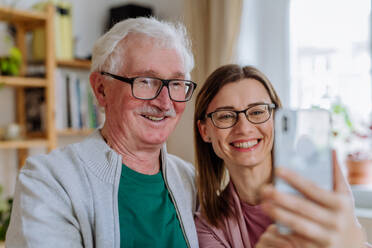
<point>151,73</point>
<point>178,75</point>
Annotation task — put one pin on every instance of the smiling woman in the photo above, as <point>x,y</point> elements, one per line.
<point>233,128</point>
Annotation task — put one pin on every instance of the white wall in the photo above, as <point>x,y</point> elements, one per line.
<point>264,41</point>
<point>90,17</point>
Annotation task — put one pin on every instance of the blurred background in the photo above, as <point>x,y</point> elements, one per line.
<point>316,53</point>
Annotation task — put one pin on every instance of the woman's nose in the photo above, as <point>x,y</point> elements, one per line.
<point>243,123</point>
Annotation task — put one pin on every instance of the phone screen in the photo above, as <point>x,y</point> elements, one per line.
<point>302,144</point>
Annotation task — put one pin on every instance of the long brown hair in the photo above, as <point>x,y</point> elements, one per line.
<point>210,168</point>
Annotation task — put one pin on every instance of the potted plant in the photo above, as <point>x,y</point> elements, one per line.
<point>359,158</point>
<point>10,56</point>
<point>355,138</point>
<point>10,65</point>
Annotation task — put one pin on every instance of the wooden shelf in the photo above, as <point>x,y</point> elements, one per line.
<point>76,63</point>
<point>16,144</point>
<point>29,19</point>
<point>25,21</point>
<point>73,132</point>
<point>23,81</point>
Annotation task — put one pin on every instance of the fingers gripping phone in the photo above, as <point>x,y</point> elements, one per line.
<point>302,144</point>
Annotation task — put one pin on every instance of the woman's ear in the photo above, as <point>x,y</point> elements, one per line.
<point>98,88</point>
<point>202,126</point>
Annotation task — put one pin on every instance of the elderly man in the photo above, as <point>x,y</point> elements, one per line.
<point>119,187</point>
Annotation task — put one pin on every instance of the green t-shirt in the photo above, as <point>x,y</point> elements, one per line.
<point>146,213</point>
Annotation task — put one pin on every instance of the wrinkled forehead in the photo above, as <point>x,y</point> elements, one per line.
<point>145,44</point>
<point>142,55</point>
<point>160,41</point>
<point>135,39</point>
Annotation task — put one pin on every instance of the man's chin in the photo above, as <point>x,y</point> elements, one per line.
<point>158,132</point>
<point>155,139</point>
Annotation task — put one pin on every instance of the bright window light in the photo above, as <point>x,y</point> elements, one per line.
<point>330,55</point>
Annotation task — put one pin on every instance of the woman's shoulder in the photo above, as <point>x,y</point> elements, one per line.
<point>209,235</point>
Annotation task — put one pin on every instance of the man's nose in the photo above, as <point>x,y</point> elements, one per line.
<point>163,100</point>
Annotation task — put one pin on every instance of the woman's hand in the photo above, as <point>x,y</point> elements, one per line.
<point>272,238</point>
<point>322,219</point>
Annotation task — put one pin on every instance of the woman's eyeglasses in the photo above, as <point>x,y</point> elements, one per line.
<point>256,114</point>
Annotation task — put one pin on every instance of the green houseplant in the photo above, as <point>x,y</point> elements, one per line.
<point>5,209</point>
<point>10,65</point>
<point>10,55</point>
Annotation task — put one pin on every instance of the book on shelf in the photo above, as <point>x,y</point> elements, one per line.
<point>35,107</point>
<point>64,41</point>
<point>60,100</point>
<point>72,97</point>
<point>76,107</point>
<point>67,40</point>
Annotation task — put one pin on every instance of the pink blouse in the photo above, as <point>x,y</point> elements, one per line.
<point>256,221</point>
<point>242,231</point>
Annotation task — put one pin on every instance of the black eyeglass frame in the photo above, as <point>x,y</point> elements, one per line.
<point>165,82</point>
<point>271,107</point>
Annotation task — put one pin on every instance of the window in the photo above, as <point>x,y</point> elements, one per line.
<point>330,55</point>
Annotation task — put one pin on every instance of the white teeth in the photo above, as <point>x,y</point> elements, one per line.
<point>245,144</point>
<point>153,118</point>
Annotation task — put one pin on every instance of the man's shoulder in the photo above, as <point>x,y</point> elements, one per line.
<point>58,160</point>
<point>68,158</point>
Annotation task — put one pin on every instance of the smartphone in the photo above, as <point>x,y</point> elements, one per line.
<point>302,144</point>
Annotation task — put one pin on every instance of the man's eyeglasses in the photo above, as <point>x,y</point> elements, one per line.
<point>256,114</point>
<point>148,88</point>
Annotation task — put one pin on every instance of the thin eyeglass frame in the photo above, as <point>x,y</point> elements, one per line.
<point>271,107</point>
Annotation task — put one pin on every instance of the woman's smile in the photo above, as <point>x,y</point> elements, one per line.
<point>245,145</point>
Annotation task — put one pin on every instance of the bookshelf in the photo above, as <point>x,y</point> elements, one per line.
<point>79,88</point>
<point>74,132</point>
<point>23,81</point>
<point>26,21</point>
<point>76,64</point>
<point>25,144</point>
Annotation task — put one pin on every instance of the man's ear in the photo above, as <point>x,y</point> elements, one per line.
<point>202,126</point>
<point>98,88</point>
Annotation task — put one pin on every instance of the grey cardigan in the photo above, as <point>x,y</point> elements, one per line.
<point>69,198</point>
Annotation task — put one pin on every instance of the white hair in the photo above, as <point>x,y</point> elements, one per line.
<point>166,34</point>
